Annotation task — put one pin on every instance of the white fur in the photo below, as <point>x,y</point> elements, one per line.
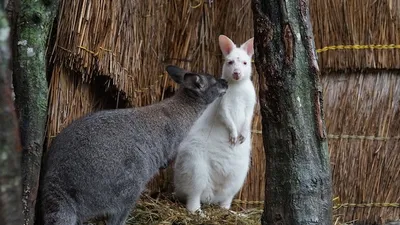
<point>213,161</point>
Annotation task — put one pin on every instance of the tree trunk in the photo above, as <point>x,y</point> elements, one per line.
<point>298,178</point>
<point>34,20</point>
<point>10,148</point>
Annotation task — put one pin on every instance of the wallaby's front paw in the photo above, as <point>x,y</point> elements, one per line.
<point>241,139</point>
<point>233,138</point>
<point>244,134</point>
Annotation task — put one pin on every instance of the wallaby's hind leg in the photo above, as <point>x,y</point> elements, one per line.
<point>193,202</point>
<point>118,218</point>
<point>226,203</point>
<point>64,216</point>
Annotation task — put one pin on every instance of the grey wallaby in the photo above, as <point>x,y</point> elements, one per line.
<point>100,164</point>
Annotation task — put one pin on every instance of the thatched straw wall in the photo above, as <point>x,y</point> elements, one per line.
<point>365,164</point>
<point>357,22</point>
<point>361,98</point>
<point>69,99</point>
<point>117,50</point>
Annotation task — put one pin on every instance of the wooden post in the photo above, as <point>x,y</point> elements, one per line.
<point>298,176</point>
<point>34,21</point>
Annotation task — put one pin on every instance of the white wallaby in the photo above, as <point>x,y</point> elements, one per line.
<point>213,160</point>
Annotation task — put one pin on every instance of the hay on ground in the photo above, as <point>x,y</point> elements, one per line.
<point>166,210</point>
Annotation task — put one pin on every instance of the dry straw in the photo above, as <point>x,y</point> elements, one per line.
<point>69,99</point>
<point>119,48</point>
<point>357,22</point>
<point>365,170</point>
<point>165,210</point>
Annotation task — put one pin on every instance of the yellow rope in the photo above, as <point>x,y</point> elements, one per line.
<point>372,138</point>
<point>324,49</point>
<point>238,201</point>
<point>336,204</point>
<point>91,52</point>
<point>357,47</point>
<point>366,205</point>
<point>346,136</point>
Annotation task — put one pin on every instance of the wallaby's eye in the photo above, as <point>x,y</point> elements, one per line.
<point>245,63</point>
<point>230,62</point>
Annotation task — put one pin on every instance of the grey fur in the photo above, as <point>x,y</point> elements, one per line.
<point>100,164</point>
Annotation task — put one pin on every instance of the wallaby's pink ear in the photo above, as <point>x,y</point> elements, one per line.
<point>248,46</point>
<point>225,44</point>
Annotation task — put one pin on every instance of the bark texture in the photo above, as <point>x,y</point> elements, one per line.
<point>10,148</point>
<point>298,175</point>
<point>34,20</point>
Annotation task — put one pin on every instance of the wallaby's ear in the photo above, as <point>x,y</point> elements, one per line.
<point>193,81</point>
<point>176,73</point>
<point>248,46</point>
<point>226,45</point>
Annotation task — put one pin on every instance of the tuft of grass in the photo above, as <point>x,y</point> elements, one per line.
<point>166,210</point>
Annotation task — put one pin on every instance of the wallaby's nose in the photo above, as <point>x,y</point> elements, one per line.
<point>236,75</point>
